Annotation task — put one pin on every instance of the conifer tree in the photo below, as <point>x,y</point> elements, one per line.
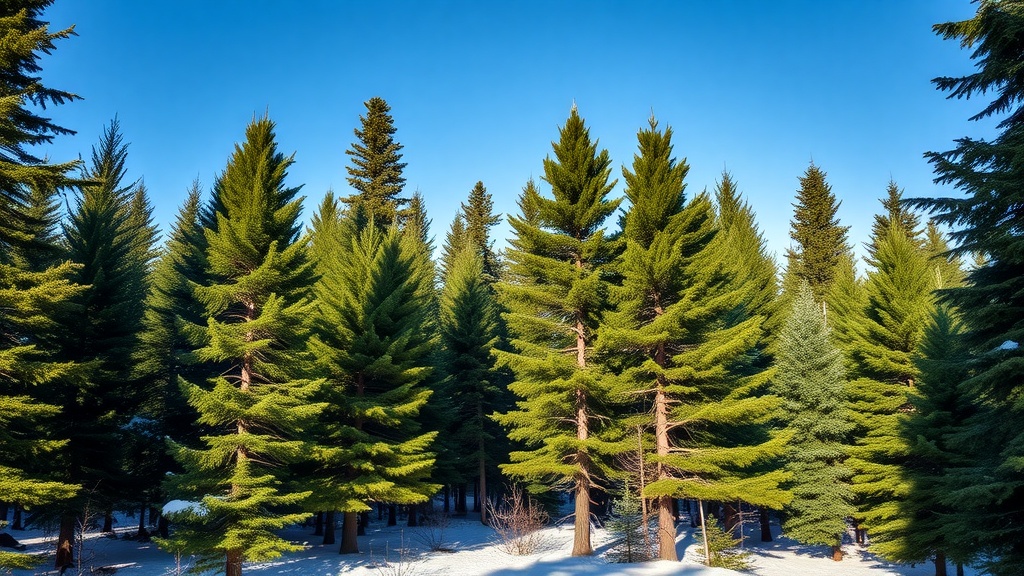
<point>376,170</point>
<point>372,339</point>
<point>256,300</point>
<point>110,236</point>
<point>846,301</point>
<point>896,213</point>
<point>820,240</point>
<point>679,325</point>
<point>479,216</point>
<point>469,331</point>
<point>556,297</point>
<point>455,241</point>
<point>34,285</point>
<point>810,378</point>
<point>987,220</point>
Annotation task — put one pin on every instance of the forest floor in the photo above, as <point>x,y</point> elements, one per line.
<point>471,550</point>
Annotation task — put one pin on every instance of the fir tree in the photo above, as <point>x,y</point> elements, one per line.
<point>820,240</point>
<point>372,339</point>
<point>555,297</point>
<point>256,300</point>
<point>987,220</point>
<point>479,216</point>
<point>846,301</point>
<point>810,378</point>
<point>896,213</point>
<point>376,170</point>
<point>455,241</point>
<point>34,285</point>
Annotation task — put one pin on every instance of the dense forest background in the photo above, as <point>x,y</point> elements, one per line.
<point>263,368</point>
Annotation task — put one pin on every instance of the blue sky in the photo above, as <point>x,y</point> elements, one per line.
<point>478,90</point>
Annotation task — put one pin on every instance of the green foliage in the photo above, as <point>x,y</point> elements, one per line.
<point>627,525</point>
<point>820,240</point>
<point>376,170</point>
<point>722,548</point>
<point>811,381</point>
<point>371,336</point>
<point>256,298</point>
<point>479,216</point>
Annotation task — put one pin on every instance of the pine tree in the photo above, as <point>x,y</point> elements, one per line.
<point>256,301</point>
<point>820,240</point>
<point>810,378</point>
<point>110,237</point>
<point>469,331</point>
<point>34,285</point>
<point>479,216</point>
<point>555,297</point>
<point>680,325</point>
<point>845,304</point>
<point>455,241</point>
<point>376,171</point>
<point>933,526</point>
<point>987,220</point>
<point>896,213</point>
<point>372,339</point>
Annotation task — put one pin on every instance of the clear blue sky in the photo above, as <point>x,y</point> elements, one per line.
<point>478,90</point>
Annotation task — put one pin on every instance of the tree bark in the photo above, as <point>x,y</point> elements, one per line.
<point>731,517</point>
<point>16,524</point>
<point>447,498</point>
<point>364,521</point>
<point>392,514</point>
<point>704,533</point>
<point>766,527</point>
<point>959,569</point>
<point>161,527</point>
<point>940,563</point>
<point>581,532</point>
<point>233,564</point>
<point>482,495</point>
<point>318,525</point>
<point>460,499</point>
<point>66,542</point>
<point>108,522</point>
<point>349,531</point>
<point>837,553</point>
<point>327,527</point>
<point>413,516</point>
<point>666,514</point>
<point>4,510</point>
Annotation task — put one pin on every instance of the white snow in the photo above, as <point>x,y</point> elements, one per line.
<point>175,506</point>
<point>475,553</point>
<point>1008,345</point>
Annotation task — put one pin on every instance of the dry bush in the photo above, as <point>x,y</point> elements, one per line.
<point>518,521</point>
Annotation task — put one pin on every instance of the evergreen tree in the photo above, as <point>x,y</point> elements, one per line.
<point>845,304</point>
<point>820,240</point>
<point>555,297</point>
<point>372,339</point>
<point>34,285</point>
<point>455,241</point>
<point>810,379</point>
<point>987,220</point>
<point>469,331</point>
<point>256,300</point>
<point>376,171</point>
<point>111,237</point>
<point>896,213</point>
<point>479,216</point>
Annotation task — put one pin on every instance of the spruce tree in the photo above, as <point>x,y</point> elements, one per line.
<point>372,339</point>
<point>376,170</point>
<point>35,286</point>
<point>810,378</point>
<point>556,298</point>
<point>987,220</point>
<point>820,240</point>
<point>479,216</point>
<point>455,241</point>
<point>896,213</point>
<point>256,299</point>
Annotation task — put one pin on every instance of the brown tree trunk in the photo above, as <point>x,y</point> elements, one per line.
<point>482,494</point>
<point>161,527</point>
<point>327,526</point>
<point>666,514</point>
<point>318,524</point>
<point>460,500</point>
<point>413,516</point>
<point>364,521</point>
<point>447,498</point>
<point>731,517</point>
<point>704,533</point>
<point>581,533</point>
<point>349,531</point>
<point>940,564</point>
<point>392,514</point>
<point>837,553</point>
<point>766,527</point>
<point>66,542</point>
<point>233,565</point>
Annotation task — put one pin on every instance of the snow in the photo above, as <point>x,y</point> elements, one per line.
<point>175,506</point>
<point>474,552</point>
<point>1008,345</point>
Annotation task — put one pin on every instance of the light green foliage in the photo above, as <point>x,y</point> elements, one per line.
<point>628,528</point>
<point>722,547</point>
<point>256,300</point>
<point>811,381</point>
<point>820,240</point>
<point>376,170</point>
<point>372,340</point>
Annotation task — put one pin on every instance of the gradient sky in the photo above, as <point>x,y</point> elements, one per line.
<point>478,90</point>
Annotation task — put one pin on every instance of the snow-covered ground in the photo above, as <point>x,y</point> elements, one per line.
<point>474,551</point>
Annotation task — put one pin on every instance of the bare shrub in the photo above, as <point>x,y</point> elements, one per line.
<point>400,564</point>
<point>432,533</point>
<point>518,521</point>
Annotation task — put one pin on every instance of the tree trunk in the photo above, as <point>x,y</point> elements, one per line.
<point>349,531</point>
<point>959,569</point>
<point>837,553</point>
<point>233,565</point>
<point>318,525</point>
<point>731,520</point>
<point>4,510</point>
<point>161,527</point>
<point>327,527</point>
<point>447,498</point>
<point>143,534</point>
<point>581,534</point>
<point>154,513</point>
<point>476,495</point>
<point>364,521</point>
<point>666,514</point>
<point>460,500</point>
<point>108,522</point>
<point>766,527</point>
<point>940,564</point>
<point>392,514</point>
<point>482,495</point>
<point>16,524</point>
<point>704,533</point>
<point>413,516</point>
<point>66,542</point>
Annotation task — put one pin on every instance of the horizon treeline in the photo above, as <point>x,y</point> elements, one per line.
<point>261,372</point>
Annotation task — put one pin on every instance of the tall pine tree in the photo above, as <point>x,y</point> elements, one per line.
<point>820,240</point>
<point>556,298</point>
<point>376,170</point>
<point>257,297</point>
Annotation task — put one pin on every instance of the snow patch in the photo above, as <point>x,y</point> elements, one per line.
<point>1008,345</point>
<point>178,506</point>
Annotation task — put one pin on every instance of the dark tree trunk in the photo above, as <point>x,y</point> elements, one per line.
<point>233,566</point>
<point>766,527</point>
<point>161,526</point>
<point>349,532</point>
<point>959,569</point>
<point>143,534</point>
<point>476,496</point>
<point>392,514</point>
<point>940,564</point>
<point>731,519</point>
<point>16,524</point>
<point>327,526</point>
<point>460,500</point>
<point>153,514</point>
<point>4,510</point>
<point>380,510</point>
<point>690,511</point>
<point>675,508</point>
<point>447,498</point>
<point>318,525</point>
<point>108,522</point>
<point>413,516</point>
<point>66,542</point>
